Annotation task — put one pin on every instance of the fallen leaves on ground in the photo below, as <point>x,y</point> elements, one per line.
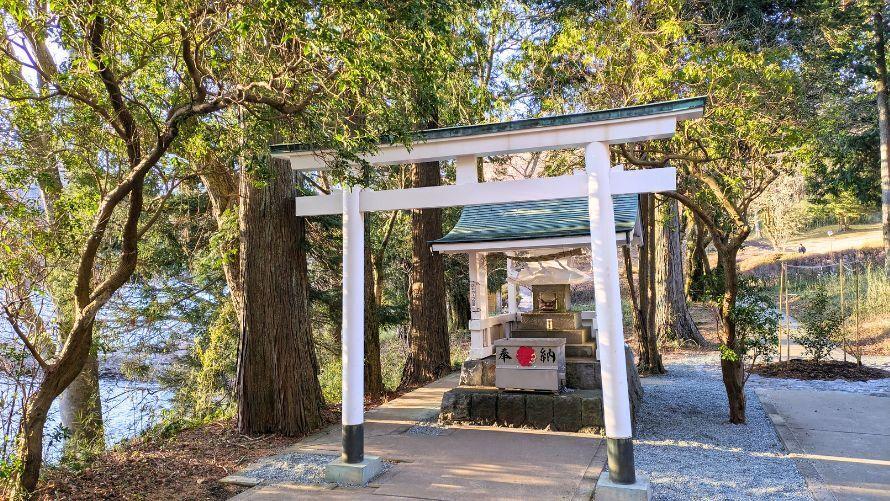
<point>186,466</point>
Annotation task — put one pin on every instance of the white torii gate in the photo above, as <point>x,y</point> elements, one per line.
<point>594,132</point>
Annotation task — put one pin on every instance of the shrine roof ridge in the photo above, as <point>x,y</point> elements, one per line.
<point>641,110</point>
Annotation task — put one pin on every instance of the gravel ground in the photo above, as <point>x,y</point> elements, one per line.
<point>689,450</point>
<point>428,427</point>
<point>294,467</point>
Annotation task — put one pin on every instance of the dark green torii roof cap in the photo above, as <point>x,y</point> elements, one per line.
<point>531,123</point>
<point>567,217</point>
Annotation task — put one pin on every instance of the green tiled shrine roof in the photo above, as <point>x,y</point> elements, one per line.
<point>641,110</point>
<point>532,220</point>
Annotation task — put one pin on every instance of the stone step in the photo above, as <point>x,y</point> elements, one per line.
<point>583,373</point>
<point>587,350</point>
<point>538,320</point>
<point>572,336</point>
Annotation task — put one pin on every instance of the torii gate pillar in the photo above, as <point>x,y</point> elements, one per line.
<point>353,467</point>
<point>610,329</point>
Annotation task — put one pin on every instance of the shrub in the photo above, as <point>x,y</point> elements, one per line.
<point>822,321</point>
<point>757,323</point>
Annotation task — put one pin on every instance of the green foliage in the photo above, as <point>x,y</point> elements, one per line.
<point>206,390</point>
<point>844,206</point>
<point>756,322</point>
<point>9,466</point>
<point>822,321</point>
<point>709,287</point>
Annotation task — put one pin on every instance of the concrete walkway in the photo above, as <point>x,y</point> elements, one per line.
<point>840,441</point>
<point>457,464</point>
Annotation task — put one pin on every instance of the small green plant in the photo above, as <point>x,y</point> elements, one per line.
<point>822,322</point>
<point>757,324</point>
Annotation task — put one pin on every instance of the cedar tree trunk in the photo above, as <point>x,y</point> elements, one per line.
<point>277,380</point>
<point>373,371</point>
<point>429,351</point>
<point>650,359</point>
<point>672,318</point>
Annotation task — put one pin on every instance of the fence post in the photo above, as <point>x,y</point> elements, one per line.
<point>858,343</point>
<point>840,271</point>
<point>781,290</point>
<point>787,315</point>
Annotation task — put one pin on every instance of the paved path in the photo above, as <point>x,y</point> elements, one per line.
<point>458,464</point>
<point>840,441</point>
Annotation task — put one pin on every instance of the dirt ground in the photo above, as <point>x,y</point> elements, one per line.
<point>186,466</point>
<point>824,369</point>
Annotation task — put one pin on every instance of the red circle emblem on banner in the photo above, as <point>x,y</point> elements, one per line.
<point>525,355</point>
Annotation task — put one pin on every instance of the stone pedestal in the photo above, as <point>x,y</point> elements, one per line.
<point>607,490</point>
<point>340,472</point>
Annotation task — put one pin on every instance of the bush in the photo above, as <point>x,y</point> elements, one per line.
<point>822,321</point>
<point>757,323</point>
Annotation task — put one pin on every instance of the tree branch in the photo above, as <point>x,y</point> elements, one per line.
<point>18,330</point>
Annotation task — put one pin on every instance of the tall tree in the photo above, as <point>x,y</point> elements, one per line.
<point>277,382</point>
<point>429,349</point>
<point>672,317</point>
<point>81,405</point>
<point>644,313</point>
<point>642,302</point>
<point>373,370</point>
<point>630,52</point>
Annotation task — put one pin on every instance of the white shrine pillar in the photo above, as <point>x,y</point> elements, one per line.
<point>353,467</point>
<point>353,336</point>
<point>512,299</point>
<point>610,330</point>
<point>478,304</point>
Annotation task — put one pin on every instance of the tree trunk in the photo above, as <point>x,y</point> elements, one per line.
<point>81,402</point>
<point>277,373</point>
<point>637,315</point>
<point>57,377</point>
<point>655,367</point>
<point>672,317</point>
<point>429,351</point>
<point>884,129</point>
<point>697,261</point>
<point>458,285</point>
<point>78,343</point>
<point>373,370</point>
<point>731,364</point>
<point>81,410</point>
<point>650,359</point>
<point>222,188</point>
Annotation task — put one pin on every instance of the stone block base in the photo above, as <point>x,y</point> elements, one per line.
<point>479,372</point>
<point>580,410</point>
<point>606,490</point>
<point>353,473</point>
